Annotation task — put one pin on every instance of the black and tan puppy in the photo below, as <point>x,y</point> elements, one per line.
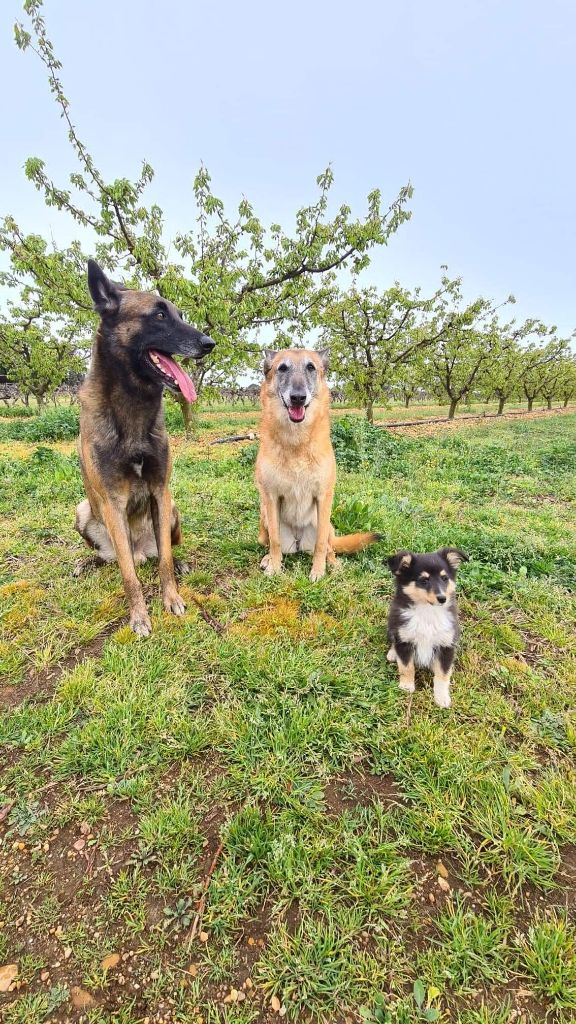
<point>423,626</point>
<point>128,514</point>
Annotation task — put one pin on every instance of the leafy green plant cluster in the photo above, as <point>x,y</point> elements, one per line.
<point>10,412</point>
<point>59,424</point>
<point>360,446</point>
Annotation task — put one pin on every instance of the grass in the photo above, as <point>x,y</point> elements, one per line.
<point>277,757</point>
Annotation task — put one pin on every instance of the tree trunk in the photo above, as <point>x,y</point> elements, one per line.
<point>39,402</point>
<point>549,403</point>
<point>501,406</point>
<point>565,403</point>
<point>406,401</point>
<point>370,411</point>
<point>452,409</point>
<point>188,415</point>
<point>530,404</point>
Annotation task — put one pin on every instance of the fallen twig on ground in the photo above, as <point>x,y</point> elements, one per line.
<point>236,437</point>
<point>207,617</point>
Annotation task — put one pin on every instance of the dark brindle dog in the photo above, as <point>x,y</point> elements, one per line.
<point>128,514</point>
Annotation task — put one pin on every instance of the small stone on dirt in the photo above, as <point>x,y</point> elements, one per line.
<point>8,974</point>
<point>79,844</point>
<point>442,869</point>
<point>193,970</point>
<point>203,936</point>
<point>110,961</point>
<point>81,1000</point>
<point>275,1004</point>
<point>444,885</point>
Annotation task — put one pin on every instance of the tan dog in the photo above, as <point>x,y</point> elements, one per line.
<point>296,468</point>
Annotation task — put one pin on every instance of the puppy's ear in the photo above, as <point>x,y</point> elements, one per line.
<point>268,360</point>
<point>105,294</point>
<point>453,556</point>
<point>400,561</point>
<point>324,355</point>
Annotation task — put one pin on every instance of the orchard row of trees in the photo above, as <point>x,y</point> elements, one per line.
<point>241,282</point>
<point>401,342</point>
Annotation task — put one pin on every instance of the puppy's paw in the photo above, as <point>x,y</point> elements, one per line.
<point>442,694</point>
<point>317,572</point>
<point>391,656</point>
<point>173,603</point>
<point>407,686</point>
<point>335,564</point>
<point>140,623</point>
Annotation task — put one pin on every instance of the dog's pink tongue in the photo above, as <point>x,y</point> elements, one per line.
<point>296,413</point>
<point>184,382</point>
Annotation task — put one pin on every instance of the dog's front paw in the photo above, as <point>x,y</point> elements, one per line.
<point>173,602</point>
<point>140,623</point>
<point>391,656</point>
<point>408,687</point>
<point>317,572</point>
<point>270,567</point>
<point>442,694</point>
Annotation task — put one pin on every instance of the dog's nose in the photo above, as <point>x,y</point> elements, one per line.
<point>207,344</point>
<point>441,598</point>
<point>297,398</point>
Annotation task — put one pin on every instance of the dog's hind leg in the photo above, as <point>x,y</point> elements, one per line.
<point>331,559</point>
<point>180,567</point>
<point>175,526</point>
<point>391,655</point>
<point>442,667</point>
<point>322,535</point>
<point>94,532</point>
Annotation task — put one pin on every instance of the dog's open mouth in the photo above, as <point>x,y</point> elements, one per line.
<point>296,413</point>
<point>173,375</point>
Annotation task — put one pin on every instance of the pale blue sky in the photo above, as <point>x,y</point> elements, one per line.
<point>473,101</point>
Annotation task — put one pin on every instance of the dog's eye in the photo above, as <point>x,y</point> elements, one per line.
<point>160,315</point>
<point>310,367</point>
<point>443,575</point>
<point>282,368</point>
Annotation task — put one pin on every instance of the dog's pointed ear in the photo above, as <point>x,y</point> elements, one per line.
<point>105,294</point>
<point>401,560</point>
<point>453,556</point>
<point>268,360</point>
<point>324,356</point>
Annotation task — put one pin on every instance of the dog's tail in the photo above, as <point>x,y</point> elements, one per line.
<point>353,542</point>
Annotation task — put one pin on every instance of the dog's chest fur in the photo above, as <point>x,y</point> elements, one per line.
<point>298,484</point>
<point>427,627</point>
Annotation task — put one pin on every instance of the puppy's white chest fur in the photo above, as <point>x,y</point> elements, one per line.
<point>427,627</point>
